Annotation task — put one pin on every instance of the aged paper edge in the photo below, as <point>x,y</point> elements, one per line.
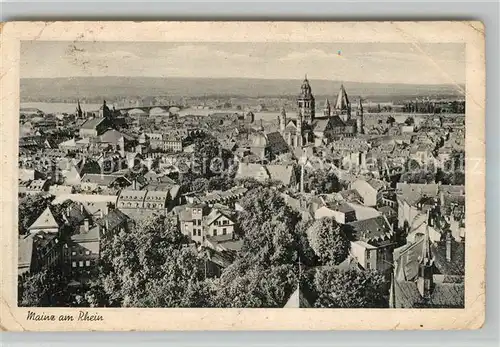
<point>13,318</point>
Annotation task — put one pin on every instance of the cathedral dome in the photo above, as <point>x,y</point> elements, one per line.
<point>259,140</point>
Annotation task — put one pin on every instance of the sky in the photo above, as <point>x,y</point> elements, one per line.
<point>437,63</point>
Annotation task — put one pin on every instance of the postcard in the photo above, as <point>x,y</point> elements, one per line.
<point>242,176</point>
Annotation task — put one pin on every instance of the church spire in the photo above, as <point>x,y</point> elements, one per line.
<point>327,108</point>
<point>79,112</point>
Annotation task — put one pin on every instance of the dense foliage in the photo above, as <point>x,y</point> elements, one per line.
<point>30,208</point>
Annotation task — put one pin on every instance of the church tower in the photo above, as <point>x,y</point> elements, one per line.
<point>342,105</point>
<point>426,262</point>
<point>79,112</point>
<point>282,120</point>
<point>305,102</point>
<point>327,109</point>
<point>360,123</point>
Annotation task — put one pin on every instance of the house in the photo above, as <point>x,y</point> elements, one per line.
<point>30,174</point>
<point>410,203</point>
<point>219,222</point>
<point>82,248</point>
<point>60,190</point>
<point>46,223</point>
<point>94,127</point>
<point>340,211</point>
<point>191,218</point>
<point>113,222</point>
<point>372,243</point>
<point>34,187</point>
<point>227,197</point>
<point>216,261</point>
<point>369,189</point>
<point>93,182</point>
<point>286,174</point>
<point>68,146</point>
<point>419,281</point>
<point>164,142</point>
<point>38,251</point>
<point>142,203</point>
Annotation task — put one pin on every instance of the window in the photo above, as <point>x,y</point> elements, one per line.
<point>368,266</point>
<point>224,222</point>
<point>194,232</point>
<point>80,263</point>
<point>368,255</point>
<point>199,222</point>
<point>73,264</point>
<point>73,253</point>
<point>87,263</point>
<point>224,231</point>
<point>199,233</point>
<point>215,232</point>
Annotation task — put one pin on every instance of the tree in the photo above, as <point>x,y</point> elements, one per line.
<point>210,158</point>
<point>409,121</point>
<point>137,265</point>
<point>244,285</point>
<point>30,208</point>
<point>329,241</point>
<point>348,289</point>
<point>41,289</point>
<point>391,120</point>
<point>199,185</point>
<point>321,182</point>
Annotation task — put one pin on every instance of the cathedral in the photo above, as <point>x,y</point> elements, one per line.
<point>335,123</point>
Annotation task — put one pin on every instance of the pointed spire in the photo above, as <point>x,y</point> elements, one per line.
<point>342,99</point>
<point>360,105</point>
<point>79,111</point>
<point>283,112</point>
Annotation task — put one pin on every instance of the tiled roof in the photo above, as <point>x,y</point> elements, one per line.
<point>92,123</point>
<point>113,136</point>
<point>114,219</point>
<point>45,221</point>
<point>101,179</point>
<point>413,192</point>
<point>443,295</point>
<point>92,235</point>
<point>456,265</point>
<point>283,173</point>
<point>373,229</point>
<point>276,143</point>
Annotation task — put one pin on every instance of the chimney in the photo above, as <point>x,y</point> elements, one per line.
<point>86,225</point>
<point>106,209</point>
<point>448,246</point>
<point>81,208</point>
<point>107,224</point>
<point>68,210</point>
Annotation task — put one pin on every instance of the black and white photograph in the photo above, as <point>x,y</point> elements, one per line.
<point>248,175</point>
<point>288,176</point>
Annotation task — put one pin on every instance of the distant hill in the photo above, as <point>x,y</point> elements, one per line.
<point>64,89</point>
